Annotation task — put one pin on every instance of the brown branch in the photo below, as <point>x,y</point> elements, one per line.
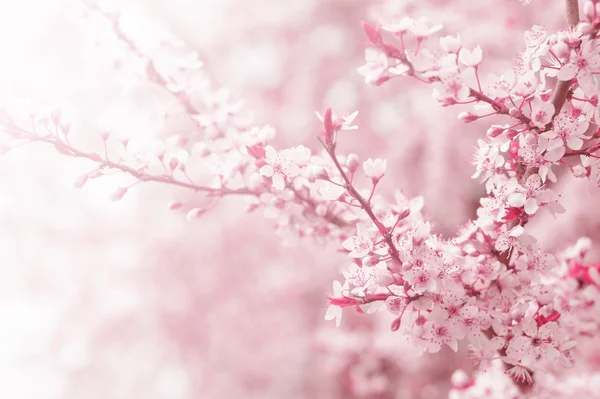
<point>562,87</point>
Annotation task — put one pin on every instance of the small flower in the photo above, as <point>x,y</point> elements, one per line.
<point>396,304</point>
<point>334,311</point>
<point>279,166</point>
<point>569,129</point>
<point>541,112</point>
<point>487,160</point>
<point>399,27</point>
<point>329,191</point>
<point>421,29</point>
<point>438,334</point>
<point>535,343</point>
<point>359,245</point>
<point>421,279</point>
<point>375,68</point>
<point>375,169</point>
<point>361,278</point>
<point>342,121</point>
<point>141,153</point>
<point>450,44</point>
<point>470,58</point>
<point>508,239</point>
<point>582,63</point>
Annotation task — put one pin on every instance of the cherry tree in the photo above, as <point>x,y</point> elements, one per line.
<point>524,314</point>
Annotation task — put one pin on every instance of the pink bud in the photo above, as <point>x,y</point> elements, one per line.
<point>321,174</point>
<point>585,28</point>
<point>65,127</point>
<point>381,80</point>
<point>173,162</point>
<point>396,324</point>
<point>174,205</point>
<point>55,116</point>
<point>467,117</point>
<point>104,135</point>
<point>81,180</point>
<point>352,162</point>
<point>257,151</point>
<point>495,131</point>
<point>118,194</point>
<point>404,214</point>
<point>369,261</point>
<point>372,33</point>
<point>195,214</point>
<point>514,112</point>
<point>561,49</point>
<point>328,125</point>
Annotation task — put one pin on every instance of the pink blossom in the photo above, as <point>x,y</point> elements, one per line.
<point>535,343</point>
<point>342,121</point>
<point>582,63</point>
<point>438,335</point>
<point>279,166</point>
<point>569,129</point>
<point>374,169</point>
<point>376,67</point>
<point>359,245</point>
<point>470,58</point>
<point>541,112</point>
<point>450,44</point>
<point>334,311</point>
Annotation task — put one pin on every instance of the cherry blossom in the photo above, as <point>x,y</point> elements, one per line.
<point>359,245</point>
<point>470,58</point>
<point>333,311</point>
<point>438,335</point>
<point>279,166</point>
<point>541,112</point>
<point>376,67</point>
<point>524,309</point>
<point>535,343</point>
<point>375,169</point>
<point>569,129</point>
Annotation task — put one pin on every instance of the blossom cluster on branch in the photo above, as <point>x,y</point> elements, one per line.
<point>491,286</point>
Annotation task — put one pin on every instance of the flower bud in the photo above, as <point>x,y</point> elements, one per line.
<point>174,205</point>
<point>352,162</point>
<point>585,28</point>
<point>467,117</point>
<point>514,112</point>
<point>579,171</point>
<point>118,194</point>
<point>81,180</point>
<point>195,214</point>
<point>495,131</point>
<point>372,33</point>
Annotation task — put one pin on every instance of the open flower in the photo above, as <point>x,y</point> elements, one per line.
<point>342,121</point>
<point>535,343</point>
<point>470,58</point>
<point>279,166</point>
<point>360,245</point>
<point>374,169</point>
<point>541,112</point>
<point>375,68</point>
<point>333,310</point>
<point>569,129</point>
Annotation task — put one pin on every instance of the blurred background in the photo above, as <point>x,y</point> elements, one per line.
<point>127,299</point>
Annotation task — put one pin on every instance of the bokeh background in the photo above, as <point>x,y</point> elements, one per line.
<point>127,299</point>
